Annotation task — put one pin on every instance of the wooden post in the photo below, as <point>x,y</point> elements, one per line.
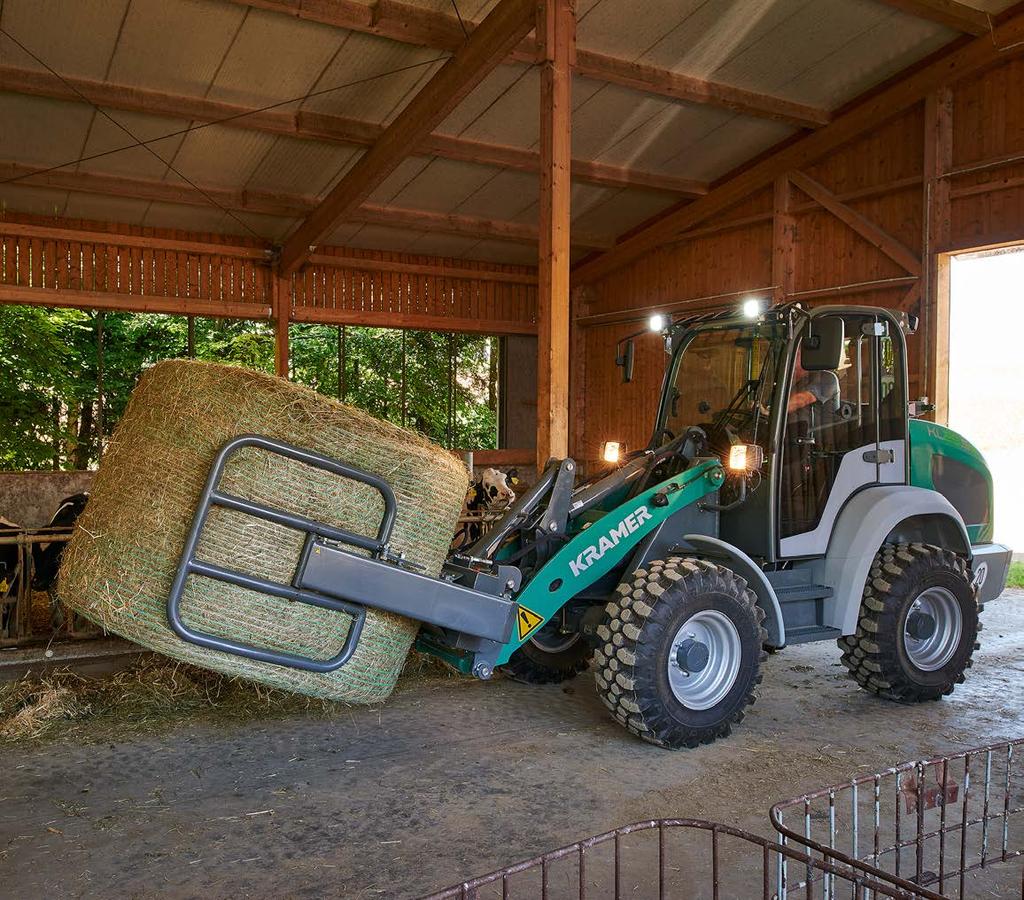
<point>282,305</point>
<point>783,236</point>
<point>556,27</point>
<point>938,160</point>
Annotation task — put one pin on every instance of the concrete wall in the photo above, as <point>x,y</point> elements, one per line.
<point>31,498</point>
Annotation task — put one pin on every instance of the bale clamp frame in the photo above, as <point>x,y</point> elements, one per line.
<point>332,576</point>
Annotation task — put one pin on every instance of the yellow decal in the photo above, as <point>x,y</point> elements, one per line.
<point>4,586</point>
<point>527,621</point>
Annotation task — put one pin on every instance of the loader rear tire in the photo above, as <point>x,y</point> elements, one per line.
<point>910,661</point>
<point>549,658</point>
<point>681,652</point>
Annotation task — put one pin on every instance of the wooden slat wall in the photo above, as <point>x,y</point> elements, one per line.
<point>880,176</point>
<point>367,287</point>
<point>94,265</point>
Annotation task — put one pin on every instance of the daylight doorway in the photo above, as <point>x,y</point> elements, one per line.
<point>986,372</point>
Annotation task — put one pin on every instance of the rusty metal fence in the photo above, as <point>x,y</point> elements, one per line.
<point>675,858</point>
<point>949,827</point>
<point>17,625</point>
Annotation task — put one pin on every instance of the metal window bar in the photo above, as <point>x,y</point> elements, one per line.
<point>919,839</point>
<point>753,866</point>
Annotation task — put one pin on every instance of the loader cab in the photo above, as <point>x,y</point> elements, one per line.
<point>822,393</point>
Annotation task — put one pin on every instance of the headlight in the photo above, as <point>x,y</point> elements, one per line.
<point>745,457</point>
<point>611,451</point>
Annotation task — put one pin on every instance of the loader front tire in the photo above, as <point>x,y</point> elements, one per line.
<point>681,652</point>
<point>918,624</point>
<point>550,657</point>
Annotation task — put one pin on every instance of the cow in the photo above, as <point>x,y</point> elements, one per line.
<point>485,498</point>
<point>46,555</point>
<point>10,574</point>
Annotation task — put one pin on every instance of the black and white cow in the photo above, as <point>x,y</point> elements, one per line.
<point>491,494</point>
<point>10,573</point>
<point>46,556</point>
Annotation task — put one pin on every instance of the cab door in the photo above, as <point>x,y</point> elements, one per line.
<point>850,436</point>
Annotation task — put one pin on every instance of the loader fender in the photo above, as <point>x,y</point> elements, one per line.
<point>872,517</point>
<point>733,558</point>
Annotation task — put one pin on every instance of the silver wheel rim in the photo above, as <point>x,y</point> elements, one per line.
<point>942,611</point>
<point>710,685</point>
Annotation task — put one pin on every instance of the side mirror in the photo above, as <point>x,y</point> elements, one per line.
<point>625,360</point>
<point>822,346</point>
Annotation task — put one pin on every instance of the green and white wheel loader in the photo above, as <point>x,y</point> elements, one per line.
<point>788,494</point>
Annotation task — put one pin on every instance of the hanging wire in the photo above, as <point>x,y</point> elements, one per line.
<point>458,15</point>
<point>128,132</point>
<point>225,119</point>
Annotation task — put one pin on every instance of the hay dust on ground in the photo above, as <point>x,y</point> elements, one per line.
<point>158,693</point>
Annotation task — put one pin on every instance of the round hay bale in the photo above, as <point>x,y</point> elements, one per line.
<point>119,565</point>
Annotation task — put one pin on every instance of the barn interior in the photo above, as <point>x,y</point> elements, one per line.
<point>455,215</point>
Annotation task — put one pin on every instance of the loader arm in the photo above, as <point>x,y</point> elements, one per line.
<point>607,543</point>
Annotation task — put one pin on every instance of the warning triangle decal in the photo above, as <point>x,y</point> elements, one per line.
<point>527,621</point>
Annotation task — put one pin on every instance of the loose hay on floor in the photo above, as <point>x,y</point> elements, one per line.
<point>121,560</point>
<point>157,693</point>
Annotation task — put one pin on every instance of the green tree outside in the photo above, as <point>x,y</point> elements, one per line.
<point>50,413</point>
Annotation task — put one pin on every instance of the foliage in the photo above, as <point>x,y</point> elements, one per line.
<point>49,399</point>
<point>1016,578</point>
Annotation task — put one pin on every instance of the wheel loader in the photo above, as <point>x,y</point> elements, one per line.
<point>788,494</point>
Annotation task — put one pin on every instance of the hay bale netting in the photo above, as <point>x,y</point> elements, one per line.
<point>120,563</point>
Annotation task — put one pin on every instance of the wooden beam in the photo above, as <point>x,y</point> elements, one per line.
<point>277,203</point>
<point>676,86</point>
<point>308,125</point>
<point>783,241</point>
<point>503,28</point>
<point>958,16</point>
<point>418,321</point>
<point>556,25</point>
<point>938,234</point>
<point>146,242</point>
<point>895,249</point>
<point>876,108</point>
<point>115,302</point>
<point>468,226</point>
<point>436,270</point>
<point>411,24</point>
<point>282,307</point>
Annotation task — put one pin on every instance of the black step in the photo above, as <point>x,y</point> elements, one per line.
<point>793,593</point>
<point>804,634</point>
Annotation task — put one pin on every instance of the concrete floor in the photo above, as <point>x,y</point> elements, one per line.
<point>452,779</point>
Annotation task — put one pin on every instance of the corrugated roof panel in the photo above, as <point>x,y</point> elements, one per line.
<point>367,65</point>
<point>406,172</point>
<point>40,131</point>
<point>622,211</point>
<point>377,237</point>
<point>602,28</point>
<point>174,46</point>
<point>504,196</point>
<point>73,38</point>
<point>504,252</point>
<point>876,55</point>
<point>721,150</point>
<point>512,119</point>
<point>105,136</point>
<point>804,41</point>
<point>483,97</point>
<point>274,57</point>
<point>221,155</point>
<point>305,167</point>
<point>443,185</point>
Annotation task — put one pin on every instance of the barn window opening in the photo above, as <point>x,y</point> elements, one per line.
<point>986,372</point>
<point>73,371</point>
